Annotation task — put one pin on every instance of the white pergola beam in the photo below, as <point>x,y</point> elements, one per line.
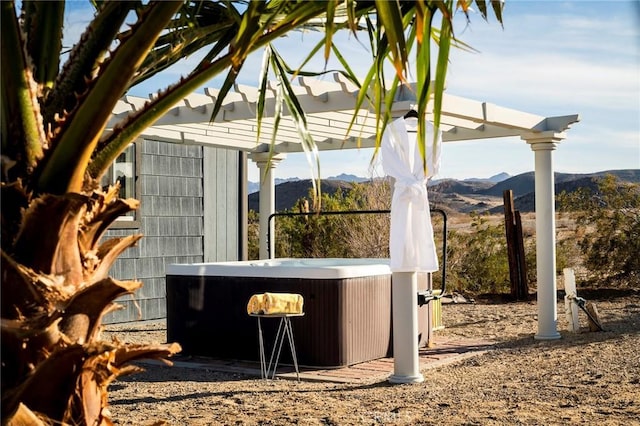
<point>327,144</point>
<point>507,117</point>
<point>485,131</point>
<point>462,120</point>
<point>329,111</point>
<point>558,124</point>
<point>188,138</point>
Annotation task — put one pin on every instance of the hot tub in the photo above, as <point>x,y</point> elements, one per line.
<point>346,304</point>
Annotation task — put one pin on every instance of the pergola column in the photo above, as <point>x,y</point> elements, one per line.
<point>266,162</point>
<point>543,144</point>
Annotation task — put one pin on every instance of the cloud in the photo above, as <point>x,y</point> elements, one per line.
<point>546,80</point>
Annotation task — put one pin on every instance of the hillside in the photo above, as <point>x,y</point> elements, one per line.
<point>288,193</point>
<point>461,196</point>
<point>524,195</point>
<point>461,187</point>
<point>525,183</point>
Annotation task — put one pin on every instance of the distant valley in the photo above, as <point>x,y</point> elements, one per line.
<point>463,196</point>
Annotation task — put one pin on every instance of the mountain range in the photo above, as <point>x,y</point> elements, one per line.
<point>457,195</point>
<point>344,177</point>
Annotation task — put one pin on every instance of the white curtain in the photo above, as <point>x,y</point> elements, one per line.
<point>411,242</point>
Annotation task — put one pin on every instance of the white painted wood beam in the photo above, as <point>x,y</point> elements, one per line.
<point>486,131</point>
<point>173,136</point>
<point>559,123</point>
<point>329,108</point>
<point>249,93</point>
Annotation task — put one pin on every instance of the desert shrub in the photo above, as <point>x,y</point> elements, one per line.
<point>476,252</point>
<point>253,235</point>
<point>477,259</point>
<point>607,231</point>
<point>310,236</point>
<point>348,236</point>
<point>567,256</point>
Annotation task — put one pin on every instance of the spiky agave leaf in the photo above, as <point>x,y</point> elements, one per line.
<point>55,290</point>
<point>388,39</point>
<point>70,321</point>
<point>23,137</point>
<point>76,143</point>
<point>297,114</point>
<point>43,22</point>
<point>59,318</point>
<point>390,17</point>
<point>197,25</point>
<point>81,370</point>
<point>84,60</point>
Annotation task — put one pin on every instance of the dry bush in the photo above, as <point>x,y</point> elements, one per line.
<point>476,253</point>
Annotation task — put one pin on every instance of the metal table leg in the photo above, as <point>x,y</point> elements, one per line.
<point>285,329</point>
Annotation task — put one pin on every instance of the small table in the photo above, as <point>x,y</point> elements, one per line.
<point>284,329</point>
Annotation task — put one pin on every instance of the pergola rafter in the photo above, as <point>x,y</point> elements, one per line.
<point>329,109</point>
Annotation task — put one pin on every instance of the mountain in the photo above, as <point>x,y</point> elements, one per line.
<point>493,179</point>
<point>466,186</point>
<point>288,193</point>
<point>348,178</point>
<point>255,186</point>
<point>458,196</point>
<point>499,177</point>
<point>520,185</point>
<point>525,183</point>
<point>570,183</point>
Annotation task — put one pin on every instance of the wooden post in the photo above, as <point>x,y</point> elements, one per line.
<point>515,248</point>
<point>523,285</point>
<point>509,224</point>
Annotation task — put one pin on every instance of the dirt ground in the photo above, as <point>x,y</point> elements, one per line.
<point>583,378</point>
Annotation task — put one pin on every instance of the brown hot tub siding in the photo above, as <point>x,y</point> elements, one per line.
<point>346,321</point>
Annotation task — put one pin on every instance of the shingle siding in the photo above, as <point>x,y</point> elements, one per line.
<point>221,183</point>
<point>172,219</point>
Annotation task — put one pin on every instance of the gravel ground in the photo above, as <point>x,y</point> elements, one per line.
<point>583,378</point>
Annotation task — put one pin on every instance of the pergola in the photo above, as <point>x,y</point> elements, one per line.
<point>329,107</point>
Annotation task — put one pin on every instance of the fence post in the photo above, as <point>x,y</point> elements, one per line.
<point>515,248</point>
<point>523,284</point>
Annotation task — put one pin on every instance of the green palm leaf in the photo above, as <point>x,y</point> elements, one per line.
<point>22,130</point>
<point>78,140</point>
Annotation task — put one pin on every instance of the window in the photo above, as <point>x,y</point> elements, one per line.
<point>123,170</point>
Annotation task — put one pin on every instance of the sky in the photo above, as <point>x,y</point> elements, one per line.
<point>551,58</point>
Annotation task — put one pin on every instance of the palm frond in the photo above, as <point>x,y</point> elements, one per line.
<point>198,25</point>
<point>84,61</point>
<point>299,118</point>
<point>22,130</point>
<point>43,24</point>
<point>390,16</point>
<point>77,141</point>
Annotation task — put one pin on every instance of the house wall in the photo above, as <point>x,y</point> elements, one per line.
<point>171,184</point>
<point>220,176</point>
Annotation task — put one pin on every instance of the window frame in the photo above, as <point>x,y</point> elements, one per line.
<point>135,222</point>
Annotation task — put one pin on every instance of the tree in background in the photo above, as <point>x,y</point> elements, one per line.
<point>608,230</point>
<point>55,147</point>
<point>361,235</point>
<point>477,258</point>
<point>348,235</point>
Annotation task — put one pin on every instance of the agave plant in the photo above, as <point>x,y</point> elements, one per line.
<point>56,146</point>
